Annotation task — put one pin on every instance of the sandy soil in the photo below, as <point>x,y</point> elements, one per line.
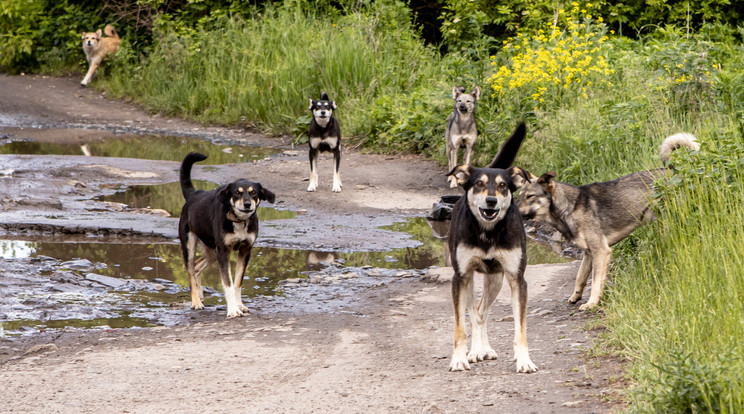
<point>382,348</point>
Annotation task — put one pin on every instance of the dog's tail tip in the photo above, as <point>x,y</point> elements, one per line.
<point>193,157</point>
<point>676,141</point>
<point>110,31</point>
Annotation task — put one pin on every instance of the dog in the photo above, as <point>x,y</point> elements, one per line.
<point>324,136</point>
<point>219,221</point>
<point>461,129</point>
<point>487,236</point>
<point>595,216</point>
<point>96,47</point>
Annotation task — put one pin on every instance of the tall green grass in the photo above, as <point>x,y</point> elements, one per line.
<point>678,312</point>
<point>262,70</point>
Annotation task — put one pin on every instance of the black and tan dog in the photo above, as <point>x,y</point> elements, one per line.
<point>219,221</point>
<point>324,135</point>
<point>487,236</point>
<point>595,216</point>
<point>96,47</point>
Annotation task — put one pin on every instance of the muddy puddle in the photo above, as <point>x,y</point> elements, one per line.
<point>101,143</point>
<point>84,285</point>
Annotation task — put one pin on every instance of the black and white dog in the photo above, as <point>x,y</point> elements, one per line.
<point>324,136</point>
<point>487,236</point>
<point>220,221</point>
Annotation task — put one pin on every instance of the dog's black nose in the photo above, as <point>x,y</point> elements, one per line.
<point>491,201</point>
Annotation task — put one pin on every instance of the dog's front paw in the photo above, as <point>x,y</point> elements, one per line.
<point>525,366</point>
<point>243,308</point>
<point>575,297</point>
<point>588,306</point>
<point>459,362</point>
<point>336,187</point>
<point>481,355</point>
<point>234,313</point>
<point>312,187</point>
<point>197,305</point>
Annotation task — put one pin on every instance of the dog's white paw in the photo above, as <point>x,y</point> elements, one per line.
<point>453,182</point>
<point>234,313</point>
<point>197,305</point>
<point>588,306</point>
<point>336,187</point>
<point>459,362</point>
<point>243,308</point>
<point>312,187</point>
<point>477,355</point>
<point>525,366</point>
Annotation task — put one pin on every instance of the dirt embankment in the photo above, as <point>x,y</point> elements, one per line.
<point>381,347</point>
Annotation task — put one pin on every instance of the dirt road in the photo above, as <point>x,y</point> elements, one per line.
<point>382,347</point>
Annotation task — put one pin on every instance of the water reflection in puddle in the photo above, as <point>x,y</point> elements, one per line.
<point>154,283</point>
<point>106,144</point>
<point>168,197</point>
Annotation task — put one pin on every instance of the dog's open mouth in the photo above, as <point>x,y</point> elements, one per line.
<point>489,213</point>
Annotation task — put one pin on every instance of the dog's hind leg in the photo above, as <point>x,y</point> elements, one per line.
<point>336,165</point>
<point>228,287</point>
<point>581,277</point>
<point>519,308</point>
<point>462,298</point>
<point>189,257</point>
<point>244,255</point>
<point>201,264</point>
<point>480,348</point>
<point>600,264</point>
<point>313,185</point>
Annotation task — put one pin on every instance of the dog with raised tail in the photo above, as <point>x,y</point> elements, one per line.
<point>461,129</point>
<point>219,221</point>
<point>487,236</point>
<point>595,216</point>
<point>96,47</point>
<point>324,135</point>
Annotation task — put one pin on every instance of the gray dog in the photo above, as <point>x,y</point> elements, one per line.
<point>595,216</point>
<point>461,129</point>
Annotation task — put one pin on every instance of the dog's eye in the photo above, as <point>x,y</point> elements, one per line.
<point>479,183</point>
<point>502,185</point>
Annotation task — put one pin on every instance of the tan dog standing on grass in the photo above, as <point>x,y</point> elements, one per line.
<point>96,47</point>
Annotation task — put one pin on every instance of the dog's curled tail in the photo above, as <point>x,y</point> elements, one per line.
<point>676,141</point>
<point>110,31</point>
<point>187,187</point>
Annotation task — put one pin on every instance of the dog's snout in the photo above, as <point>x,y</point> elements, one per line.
<point>492,201</point>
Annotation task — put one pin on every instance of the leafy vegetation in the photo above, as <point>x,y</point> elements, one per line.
<point>600,84</point>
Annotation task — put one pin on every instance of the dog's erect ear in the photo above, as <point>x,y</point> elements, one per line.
<point>324,96</point>
<point>547,181</point>
<point>83,35</point>
<point>456,91</point>
<point>509,150</point>
<point>461,173</point>
<point>521,177</point>
<point>333,104</point>
<point>475,93</point>
<point>267,195</point>
<point>99,33</point>
<point>312,103</point>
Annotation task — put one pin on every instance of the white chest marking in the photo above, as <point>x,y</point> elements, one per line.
<point>239,234</point>
<point>510,260</point>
